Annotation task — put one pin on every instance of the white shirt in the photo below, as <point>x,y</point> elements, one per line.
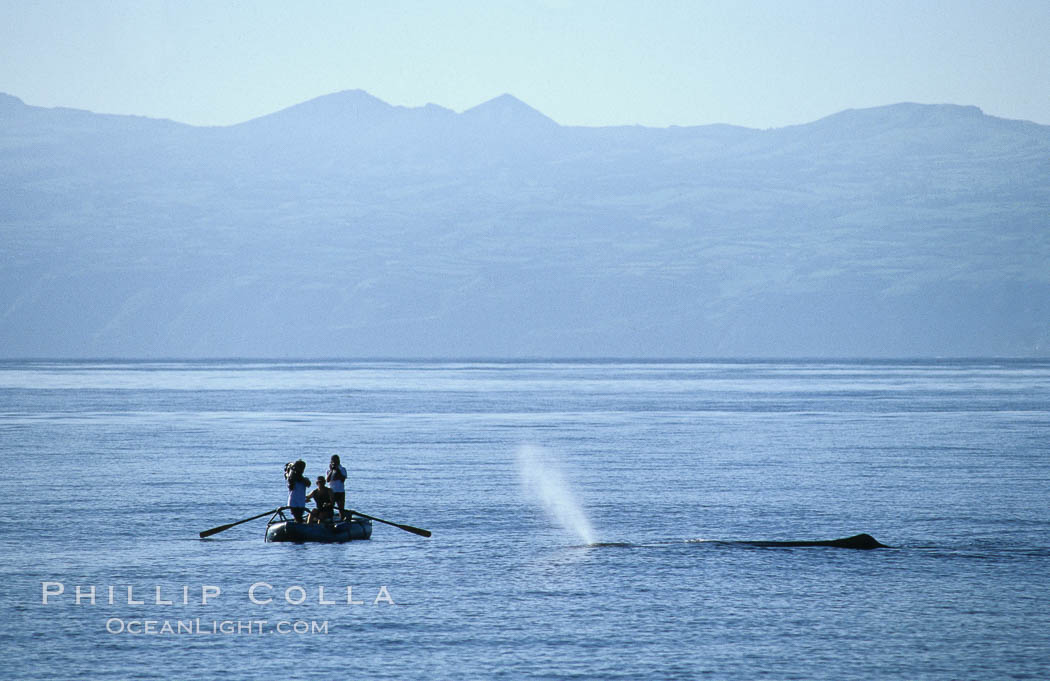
<point>297,495</point>
<point>335,483</point>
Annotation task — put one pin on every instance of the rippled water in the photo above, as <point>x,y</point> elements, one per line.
<point>112,469</point>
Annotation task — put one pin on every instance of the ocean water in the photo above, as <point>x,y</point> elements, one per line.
<point>111,469</point>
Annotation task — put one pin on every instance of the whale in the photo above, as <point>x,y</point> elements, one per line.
<point>857,541</point>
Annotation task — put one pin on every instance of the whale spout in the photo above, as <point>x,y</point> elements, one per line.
<point>857,541</point>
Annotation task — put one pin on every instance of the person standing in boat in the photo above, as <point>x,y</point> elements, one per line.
<point>297,484</point>
<point>322,496</point>
<point>336,476</point>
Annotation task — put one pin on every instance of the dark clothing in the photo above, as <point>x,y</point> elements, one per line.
<point>322,496</point>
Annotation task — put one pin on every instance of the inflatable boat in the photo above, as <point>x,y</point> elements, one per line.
<point>282,528</point>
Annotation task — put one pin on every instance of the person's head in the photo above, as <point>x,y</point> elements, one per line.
<point>335,459</point>
<point>299,466</point>
<point>320,481</point>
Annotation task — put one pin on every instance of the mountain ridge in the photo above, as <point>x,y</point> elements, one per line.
<point>922,230</point>
<point>356,100</point>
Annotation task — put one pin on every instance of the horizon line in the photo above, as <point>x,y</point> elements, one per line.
<point>596,359</point>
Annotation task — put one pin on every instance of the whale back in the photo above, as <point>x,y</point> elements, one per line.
<point>857,541</point>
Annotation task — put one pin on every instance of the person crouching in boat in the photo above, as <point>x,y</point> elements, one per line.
<point>297,484</point>
<point>322,496</point>
<point>336,476</point>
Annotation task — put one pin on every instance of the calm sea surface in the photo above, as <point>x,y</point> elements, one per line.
<point>110,471</point>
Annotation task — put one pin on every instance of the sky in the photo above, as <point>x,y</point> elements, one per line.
<point>755,63</point>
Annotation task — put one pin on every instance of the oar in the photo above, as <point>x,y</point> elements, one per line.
<point>406,528</point>
<point>223,528</point>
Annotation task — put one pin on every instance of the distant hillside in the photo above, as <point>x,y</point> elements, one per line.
<point>345,226</point>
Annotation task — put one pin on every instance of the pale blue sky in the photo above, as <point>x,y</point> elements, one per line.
<point>747,62</point>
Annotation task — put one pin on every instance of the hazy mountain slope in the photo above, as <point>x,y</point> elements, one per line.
<point>346,227</point>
